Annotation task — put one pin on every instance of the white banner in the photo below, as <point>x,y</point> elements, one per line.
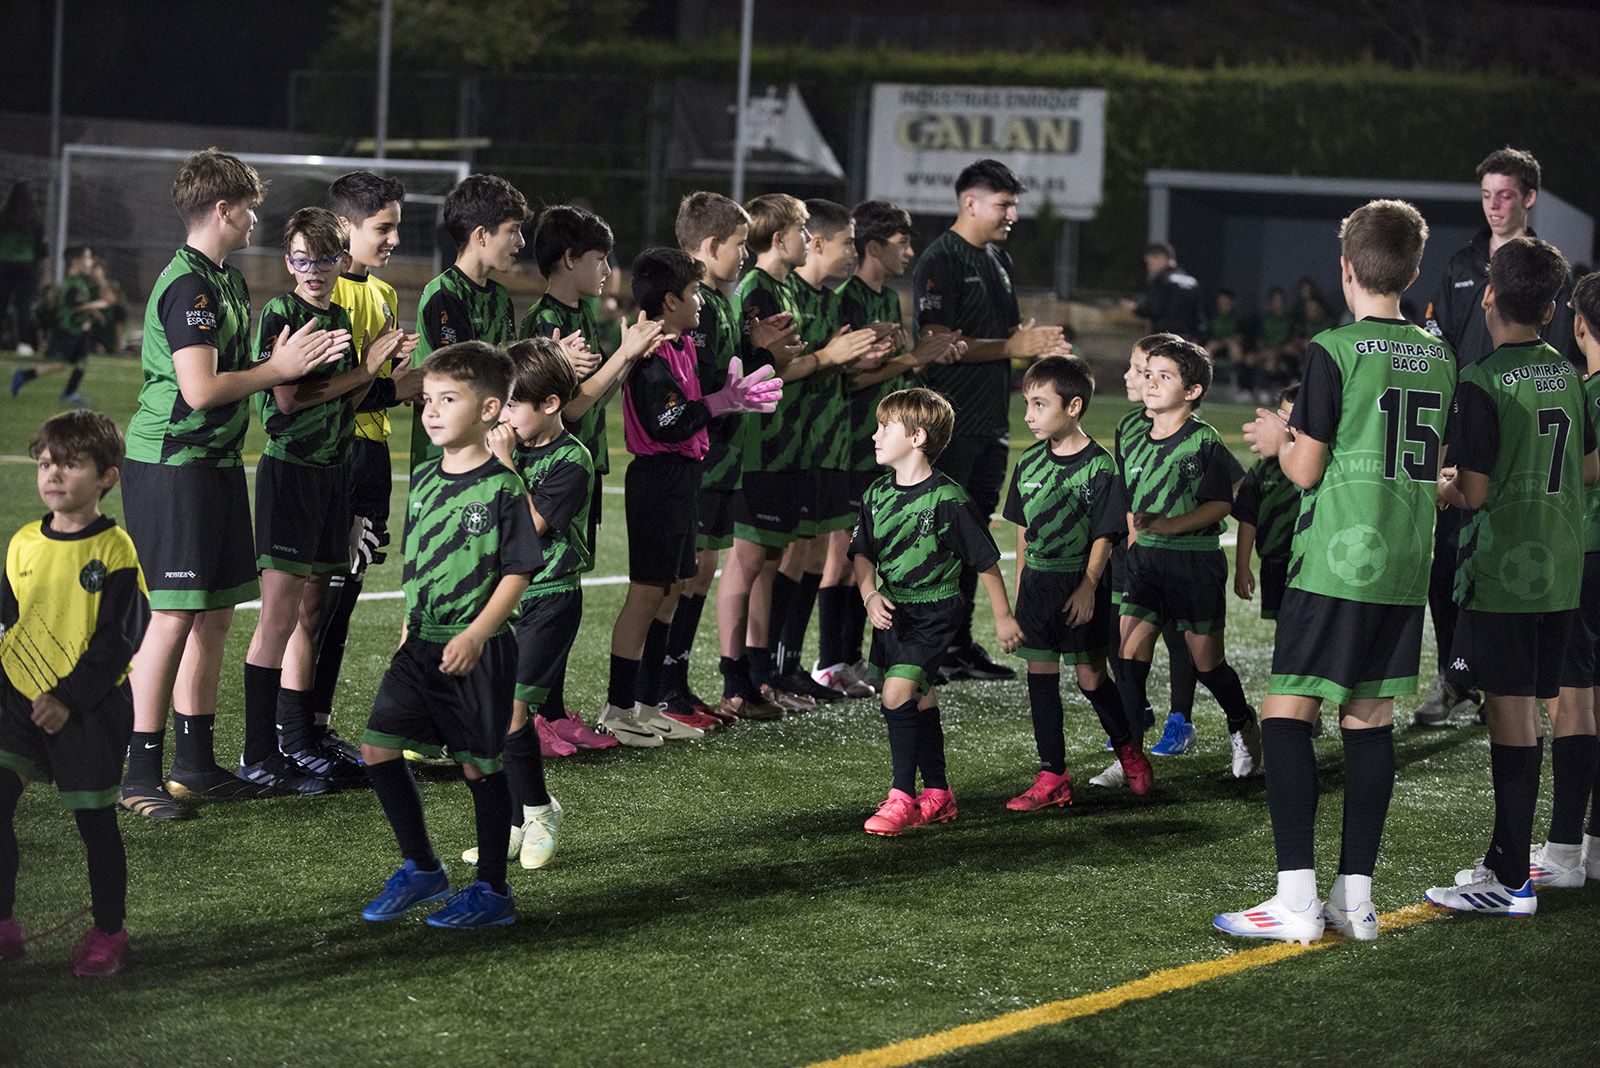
<point>923,135</point>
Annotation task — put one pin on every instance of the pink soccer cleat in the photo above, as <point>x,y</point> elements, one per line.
<point>1048,789</point>
<point>551,744</point>
<point>576,732</point>
<point>1136,766</point>
<point>938,806</point>
<point>898,812</point>
<point>100,955</point>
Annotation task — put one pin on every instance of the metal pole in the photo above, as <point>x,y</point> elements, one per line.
<point>58,191</point>
<point>385,30</point>
<point>740,136</point>
<point>58,253</point>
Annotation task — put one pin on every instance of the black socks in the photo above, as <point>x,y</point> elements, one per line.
<point>108,866</point>
<point>1291,764</point>
<point>1573,763</point>
<point>402,806</point>
<point>736,681</point>
<point>491,805</point>
<point>647,689</point>
<point>1180,670</point>
<point>930,750</point>
<point>145,760</point>
<point>1223,682</point>
<point>260,712</point>
<point>1044,703</point>
<point>10,858</point>
<point>784,589</point>
<point>343,593</point>
<point>680,641</point>
<point>296,726</point>
<point>1515,770</point>
<point>1368,785</point>
<point>195,738</point>
<point>524,771</point>
<point>74,380</point>
<point>903,745</point>
<point>795,622</point>
<point>1131,678</point>
<point>623,689</point>
<point>1106,701</point>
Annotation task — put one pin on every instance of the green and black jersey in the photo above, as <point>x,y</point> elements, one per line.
<point>1064,503</point>
<point>1591,516</point>
<point>1175,475</point>
<point>963,287</point>
<point>1522,419</point>
<point>321,435</point>
<point>825,443</point>
<point>548,315</point>
<point>1135,423</point>
<point>772,442</point>
<point>716,342</point>
<point>1375,392</point>
<point>195,302</point>
<point>464,532</point>
<point>560,477</point>
<point>75,291</point>
<point>919,537</point>
<point>455,308</point>
<point>1268,501</point>
<point>860,307</point>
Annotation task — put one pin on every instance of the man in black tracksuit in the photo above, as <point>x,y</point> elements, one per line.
<point>1172,301</point>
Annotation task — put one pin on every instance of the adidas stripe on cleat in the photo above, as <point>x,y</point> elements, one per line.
<point>1276,920</point>
<point>476,905</point>
<point>1487,896</point>
<point>1355,920</point>
<point>407,888</point>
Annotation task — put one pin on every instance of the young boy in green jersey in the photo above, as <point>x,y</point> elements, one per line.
<point>184,492</point>
<point>77,309</point>
<point>917,530</point>
<point>1266,507</point>
<point>484,214</point>
<point>303,514</point>
<point>73,608</point>
<point>1522,446</point>
<point>470,548</point>
<point>1177,480</point>
<point>1064,503</point>
<point>1363,442</point>
<point>369,207</point>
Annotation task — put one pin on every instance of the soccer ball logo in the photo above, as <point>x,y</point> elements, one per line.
<point>93,576</point>
<point>925,522</point>
<point>1527,570</point>
<point>1189,468</point>
<point>1357,555</point>
<point>475,517</point>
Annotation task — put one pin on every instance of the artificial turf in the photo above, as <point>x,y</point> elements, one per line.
<point>717,903</point>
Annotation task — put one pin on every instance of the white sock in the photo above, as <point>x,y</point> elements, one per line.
<point>1350,891</point>
<point>1298,888</point>
<point>1591,848</point>
<point>1565,854</point>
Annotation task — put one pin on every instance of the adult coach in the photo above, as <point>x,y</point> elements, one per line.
<point>1172,301</point>
<point>1508,180</point>
<point>963,283</point>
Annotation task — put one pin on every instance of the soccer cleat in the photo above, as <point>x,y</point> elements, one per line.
<point>1443,701</point>
<point>216,783</point>
<point>100,955</point>
<point>328,738</point>
<point>330,765</point>
<point>799,682</point>
<point>1591,856</point>
<point>76,400</point>
<point>11,945</point>
<point>1112,777</point>
<point>972,662</point>
<point>1048,789</point>
<point>722,715</point>
<point>476,905</point>
<point>668,727</point>
<point>552,744</point>
<point>441,761</point>
<point>1274,919</point>
<point>1245,760</point>
<point>698,720</point>
<point>571,729</point>
<point>1488,896</point>
<point>513,848</point>
<point>407,888</point>
<point>937,806</point>
<point>278,772</point>
<point>153,802</point>
<point>898,812</point>
<point>624,726</point>
<point>1554,866</point>
<point>1136,769</point>
<point>1475,874</point>
<point>18,380</point>
<point>753,707</point>
<point>1147,719</point>
<point>1177,737</point>
<point>839,679</point>
<point>540,834</point>
<point>784,699</point>
<point>1356,920</point>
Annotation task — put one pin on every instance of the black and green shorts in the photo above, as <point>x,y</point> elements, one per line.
<point>714,515</point>
<point>1513,654</point>
<point>191,525</point>
<point>69,346</point>
<point>419,707</point>
<point>545,633</point>
<point>660,506</point>
<point>1046,635</point>
<point>1184,587</point>
<point>84,759</point>
<point>916,642</point>
<point>835,509</point>
<point>1578,666</point>
<point>1342,651</point>
<point>302,518</point>
<point>772,505</point>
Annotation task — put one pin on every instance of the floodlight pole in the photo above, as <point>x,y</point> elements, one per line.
<point>741,143</point>
<point>385,31</point>
<point>58,190</point>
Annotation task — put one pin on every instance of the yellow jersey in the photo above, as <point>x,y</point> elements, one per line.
<point>371,302</point>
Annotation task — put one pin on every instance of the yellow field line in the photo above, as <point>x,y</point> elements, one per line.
<point>1163,982</point>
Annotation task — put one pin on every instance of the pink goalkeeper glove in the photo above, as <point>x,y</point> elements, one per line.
<point>758,391</point>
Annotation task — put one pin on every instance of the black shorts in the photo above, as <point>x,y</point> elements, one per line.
<point>1513,654</point>
<point>834,508</point>
<point>72,346</point>
<point>1046,636</point>
<point>1578,666</point>
<point>191,525</point>
<point>419,707</point>
<point>771,506</point>
<point>1184,587</point>
<point>916,642</point>
<point>1119,571</point>
<point>1273,580</point>
<point>545,634</point>
<point>371,482</point>
<point>714,512</point>
<point>83,759</point>
<point>1345,651</point>
<point>805,486</point>
<point>596,497</point>
<point>302,518</point>
<point>660,505</point>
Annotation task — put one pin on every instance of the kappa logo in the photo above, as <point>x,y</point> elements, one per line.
<point>93,576</point>
<point>1459,665</point>
<point>475,518</point>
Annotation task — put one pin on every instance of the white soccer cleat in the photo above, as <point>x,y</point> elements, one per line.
<point>1245,755</point>
<point>540,834</point>
<point>1591,856</point>
<point>1488,896</point>
<point>1554,866</point>
<point>840,679</point>
<point>672,730</point>
<point>471,855</point>
<point>1475,874</point>
<point>623,725</point>
<point>1274,919</point>
<point>1357,920</point>
<point>1112,777</point>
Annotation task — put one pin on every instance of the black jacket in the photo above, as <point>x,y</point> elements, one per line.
<point>1172,302</point>
<point>1455,312</point>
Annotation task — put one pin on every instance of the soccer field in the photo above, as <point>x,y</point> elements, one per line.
<point>716,903</point>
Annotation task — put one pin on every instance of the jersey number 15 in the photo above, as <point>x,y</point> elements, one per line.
<point>1409,443</point>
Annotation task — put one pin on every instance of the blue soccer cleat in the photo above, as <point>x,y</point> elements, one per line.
<point>406,889</point>
<point>1177,737</point>
<point>476,906</point>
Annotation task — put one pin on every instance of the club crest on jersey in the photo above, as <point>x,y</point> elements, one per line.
<point>925,521</point>
<point>1189,467</point>
<point>475,518</point>
<point>93,576</point>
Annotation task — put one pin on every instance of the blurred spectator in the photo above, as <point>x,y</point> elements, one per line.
<point>21,250</point>
<point>1172,300</point>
